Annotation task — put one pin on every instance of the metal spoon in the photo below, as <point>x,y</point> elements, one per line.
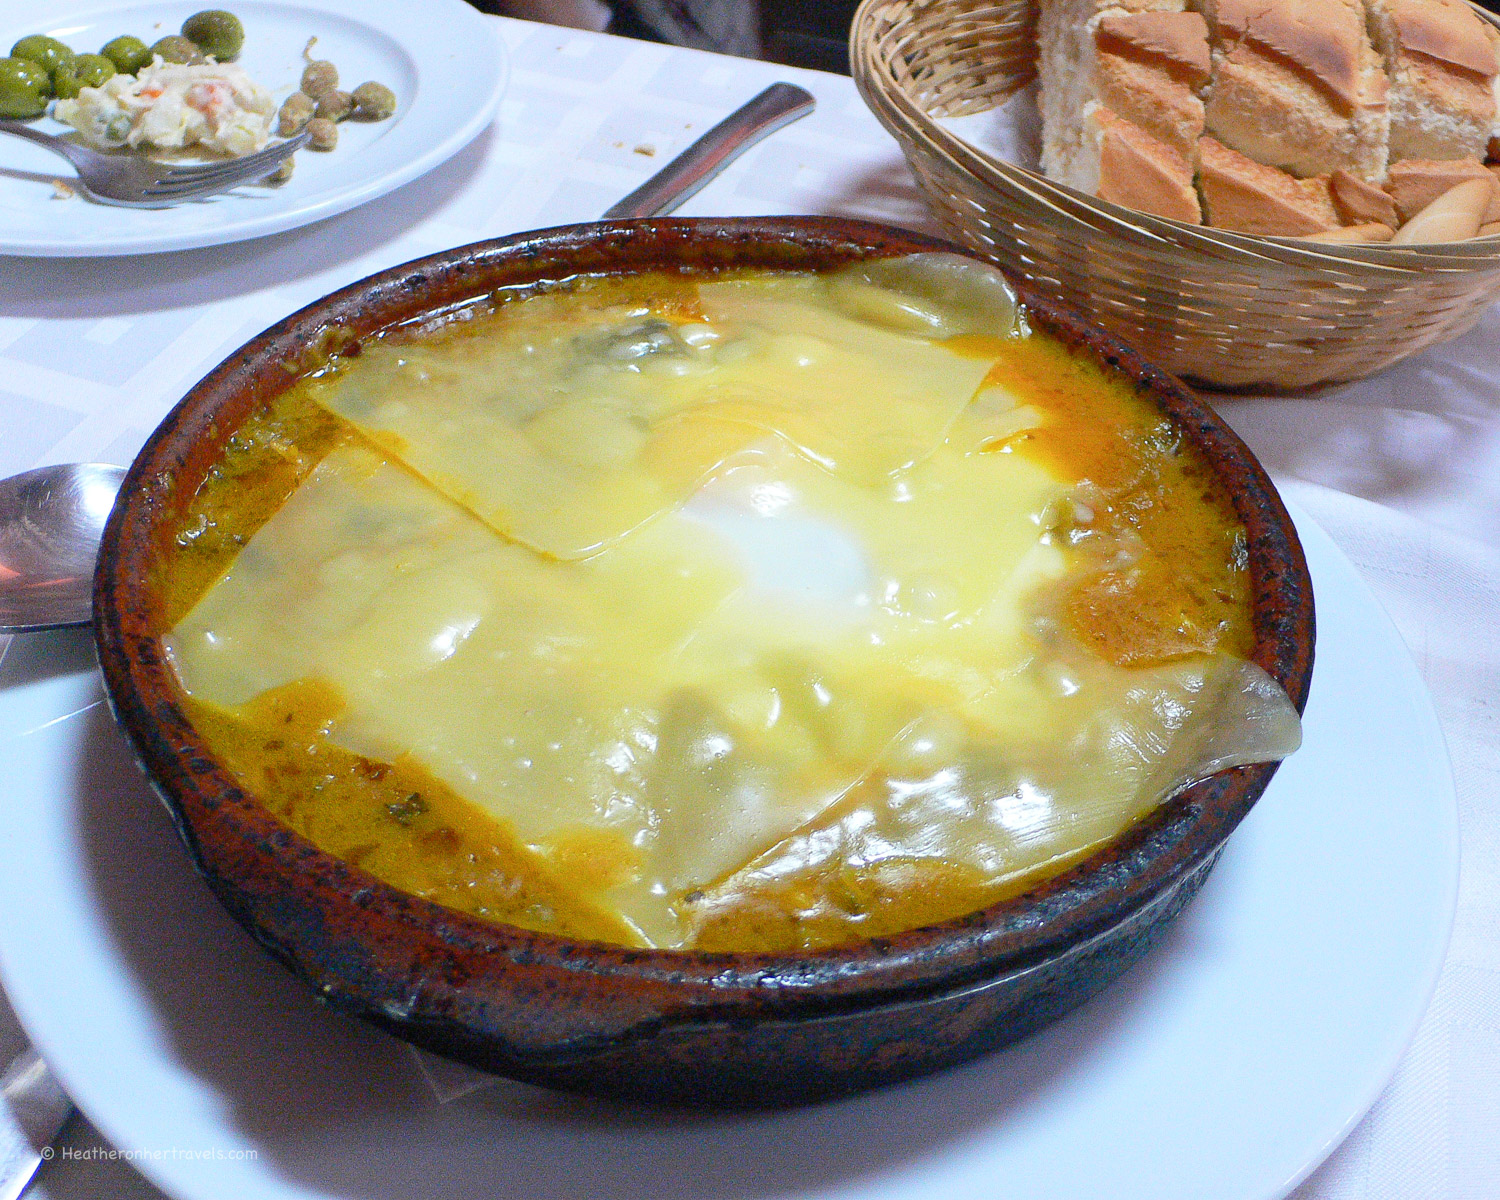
<point>51,519</point>
<point>33,1110</point>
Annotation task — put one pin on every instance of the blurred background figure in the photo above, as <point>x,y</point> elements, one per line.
<point>725,26</point>
<point>802,33</point>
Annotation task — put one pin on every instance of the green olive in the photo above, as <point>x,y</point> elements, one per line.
<point>87,70</point>
<point>129,54</point>
<point>47,52</point>
<point>216,32</point>
<point>35,73</point>
<point>21,94</point>
<point>65,84</point>
<point>174,48</point>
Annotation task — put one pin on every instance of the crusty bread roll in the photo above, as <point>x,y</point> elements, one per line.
<point>1297,85</point>
<point>1250,197</point>
<point>1118,161</point>
<point>1455,216</point>
<point>1360,203</point>
<point>1292,117</point>
<point>1442,69</point>
<point>1415,183</point>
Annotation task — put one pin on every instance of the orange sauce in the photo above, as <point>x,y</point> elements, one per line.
<point>1168,576</point>
<point>392,819</point>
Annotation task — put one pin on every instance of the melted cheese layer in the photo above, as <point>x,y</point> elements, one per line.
<point>776,639</point>
<point>565,428</point>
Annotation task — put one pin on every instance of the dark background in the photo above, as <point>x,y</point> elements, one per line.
<point>815,33</point>
<point>801,33</point>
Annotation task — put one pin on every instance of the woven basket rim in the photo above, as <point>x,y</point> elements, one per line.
<point>914,128</point>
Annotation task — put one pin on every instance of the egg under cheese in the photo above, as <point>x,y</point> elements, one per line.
<point>750,611</point>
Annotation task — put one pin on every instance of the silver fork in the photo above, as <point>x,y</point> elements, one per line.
<point>133,181</point>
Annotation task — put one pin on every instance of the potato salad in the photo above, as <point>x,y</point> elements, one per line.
<point>172,106</point>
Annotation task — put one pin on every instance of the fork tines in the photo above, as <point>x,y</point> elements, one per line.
<point>181,182</point>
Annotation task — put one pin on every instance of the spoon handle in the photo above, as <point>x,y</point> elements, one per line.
<point>33,1110</point>
<point>780,104</point>
<point>50,523</point>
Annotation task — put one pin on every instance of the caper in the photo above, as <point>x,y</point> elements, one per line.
<point>47,52</point>
<point>87,70</point>
<point>129,54</point>
<point>215,32</point>
<point>296,110</point>
<point>373,101</point>
<point>322,134</point>
<point>282,173</point>
<point>21,94</point>
<point>335,105</point>
<point>319,77</point>
<point>174,48</point>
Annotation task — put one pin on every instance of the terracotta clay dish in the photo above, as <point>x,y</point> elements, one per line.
<point>679,1026</point>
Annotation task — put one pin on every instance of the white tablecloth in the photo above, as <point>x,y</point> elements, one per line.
<point>1402,470</point>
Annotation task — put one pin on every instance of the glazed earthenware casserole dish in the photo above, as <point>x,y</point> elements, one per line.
<point>334,595</point>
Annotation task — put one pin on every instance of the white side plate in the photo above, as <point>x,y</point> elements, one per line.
<point>442,58</point>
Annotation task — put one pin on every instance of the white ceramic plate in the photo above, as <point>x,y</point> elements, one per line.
<point>1226,1066</point>
<point>441,58</point>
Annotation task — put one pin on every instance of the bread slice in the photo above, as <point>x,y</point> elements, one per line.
<point>1494,37</point>
<point>1067,64</point>
<point>1415,183</point>
<point>1250,197</point>
<point>1359,202</point>
<point>1442,69</point>
<point>1118,161</point>
<point>1149,68</point>
<point>1353,235</point>
<point>1297,85</point>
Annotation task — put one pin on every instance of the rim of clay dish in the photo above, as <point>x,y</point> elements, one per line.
<point>369,948</point>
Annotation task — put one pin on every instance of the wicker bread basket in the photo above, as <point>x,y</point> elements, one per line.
<point>1221,309</point>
